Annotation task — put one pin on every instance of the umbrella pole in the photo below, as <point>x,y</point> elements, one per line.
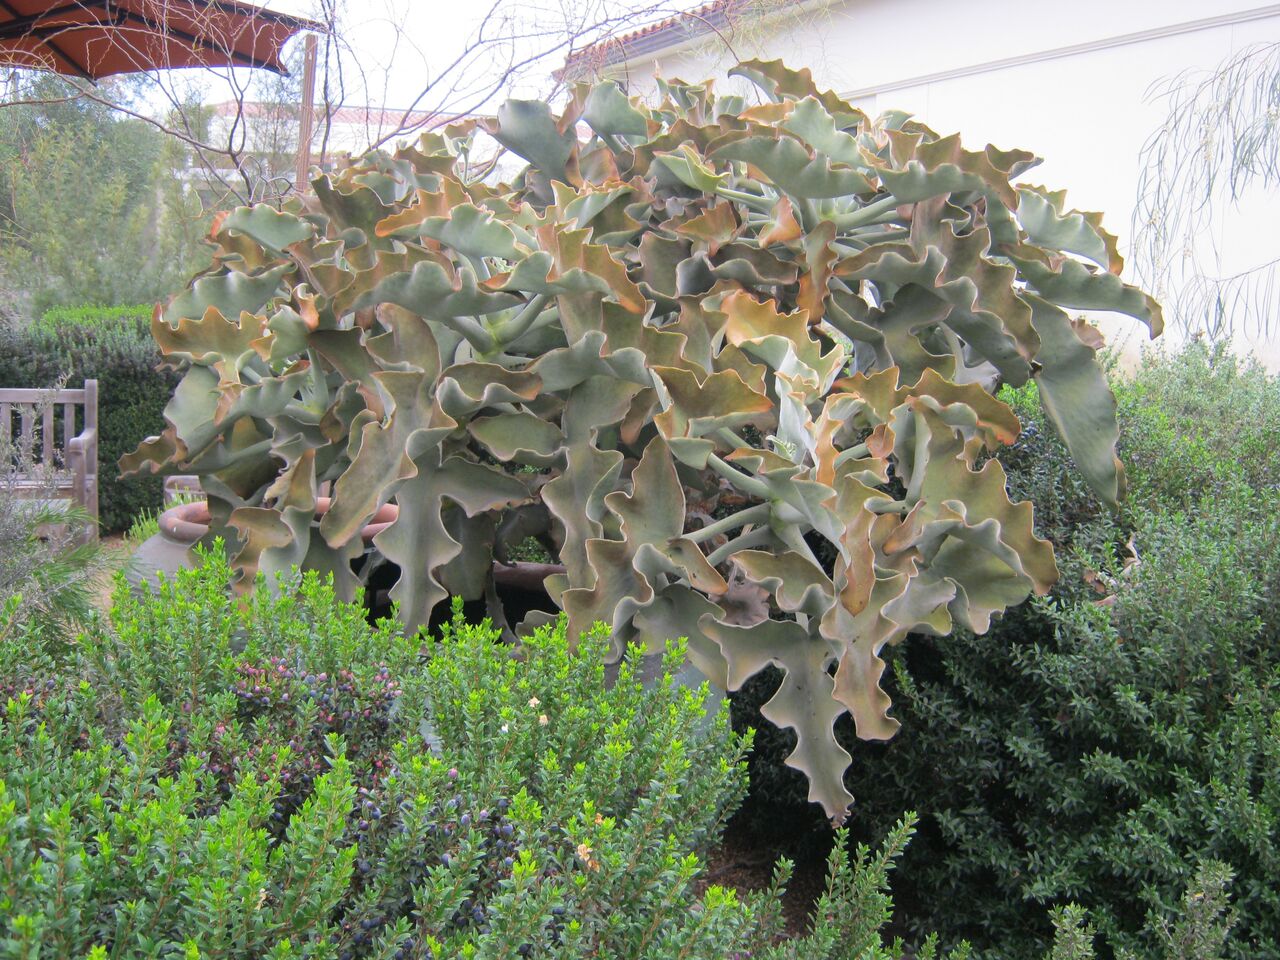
<point>307,116</point>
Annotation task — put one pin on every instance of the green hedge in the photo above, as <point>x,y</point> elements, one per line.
<point>95,316</point>
<point>1101,745</point>
<point>113,345</point>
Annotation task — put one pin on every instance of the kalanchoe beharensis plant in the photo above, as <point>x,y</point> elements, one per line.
<point>732,363</point>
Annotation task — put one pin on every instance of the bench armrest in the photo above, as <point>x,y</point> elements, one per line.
<point>82,458</point>
<point>86,442</point>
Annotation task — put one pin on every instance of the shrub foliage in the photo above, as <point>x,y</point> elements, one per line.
<point>1101,746</point>
<point>280,779</point>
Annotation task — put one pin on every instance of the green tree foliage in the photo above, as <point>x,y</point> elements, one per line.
<point>93,208</point>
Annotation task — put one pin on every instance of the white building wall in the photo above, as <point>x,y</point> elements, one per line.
<point>1072,81</point>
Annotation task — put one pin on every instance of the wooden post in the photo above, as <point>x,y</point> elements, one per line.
<point>307,119</point>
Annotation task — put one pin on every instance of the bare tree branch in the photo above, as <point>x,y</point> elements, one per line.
<point>241,149</point>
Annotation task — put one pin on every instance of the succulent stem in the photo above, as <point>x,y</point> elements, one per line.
<point>732,438</point>
<point>743,481</point>
<point>519,325</point>
<point>888,506</point>
<point>871,213</point>
<point>753,538</point>
<point>852,453</point>
<point>732,522</point>
<point>752,200</point>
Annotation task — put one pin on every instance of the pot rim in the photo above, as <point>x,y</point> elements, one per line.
<point>189,522</point>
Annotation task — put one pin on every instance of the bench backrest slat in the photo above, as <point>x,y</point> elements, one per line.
<point>75,471</point>
<point>37,414</point>
<point>90,401</point>
<point>27,417</point>
<point>46,433</point>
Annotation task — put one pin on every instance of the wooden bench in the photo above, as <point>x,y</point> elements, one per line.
<point>69,471</point>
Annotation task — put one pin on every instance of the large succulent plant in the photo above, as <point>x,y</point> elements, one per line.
<point>733,363</point>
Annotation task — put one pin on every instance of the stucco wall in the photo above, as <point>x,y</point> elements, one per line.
<point>1070,80</point>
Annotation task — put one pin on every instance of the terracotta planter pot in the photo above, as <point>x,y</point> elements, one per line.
<point>185,525</point>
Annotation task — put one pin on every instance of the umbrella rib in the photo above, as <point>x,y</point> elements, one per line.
<point>246,59</point>
<point>252,11</point>
<point>69,60</point>
<point>22,23</point>
<point>82,72</point>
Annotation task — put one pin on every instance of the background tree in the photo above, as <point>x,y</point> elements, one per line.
<point>108,189</point>
<point>93,207</point>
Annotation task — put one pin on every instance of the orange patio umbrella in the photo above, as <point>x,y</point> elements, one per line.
<point>92,39</point>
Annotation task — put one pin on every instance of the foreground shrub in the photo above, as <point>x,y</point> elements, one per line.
<point>119,353</point>
<point>1102,745</point>
<point>209,780</point>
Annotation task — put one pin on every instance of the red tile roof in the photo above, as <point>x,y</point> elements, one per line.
<point>657,36</point>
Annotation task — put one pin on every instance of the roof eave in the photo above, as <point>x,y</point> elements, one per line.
<point>681,32</point>
<point>673,38</point>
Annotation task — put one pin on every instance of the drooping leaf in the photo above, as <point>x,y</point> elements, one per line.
<point>1069,283</point>
<point>609,111</point>
<point>1078,401</point>
<point>231,294</point>
<point>803,703</point>
<point>787,165</point>
<point>1040,214</point>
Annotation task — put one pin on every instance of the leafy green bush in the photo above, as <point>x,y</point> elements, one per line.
<point>1199,932</point>
<point>204,778</point>
<point>1099,746</point>
<point>1199,421</point>
<point>132,393</point>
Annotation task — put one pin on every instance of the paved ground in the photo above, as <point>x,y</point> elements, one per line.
<point>117,552</point>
